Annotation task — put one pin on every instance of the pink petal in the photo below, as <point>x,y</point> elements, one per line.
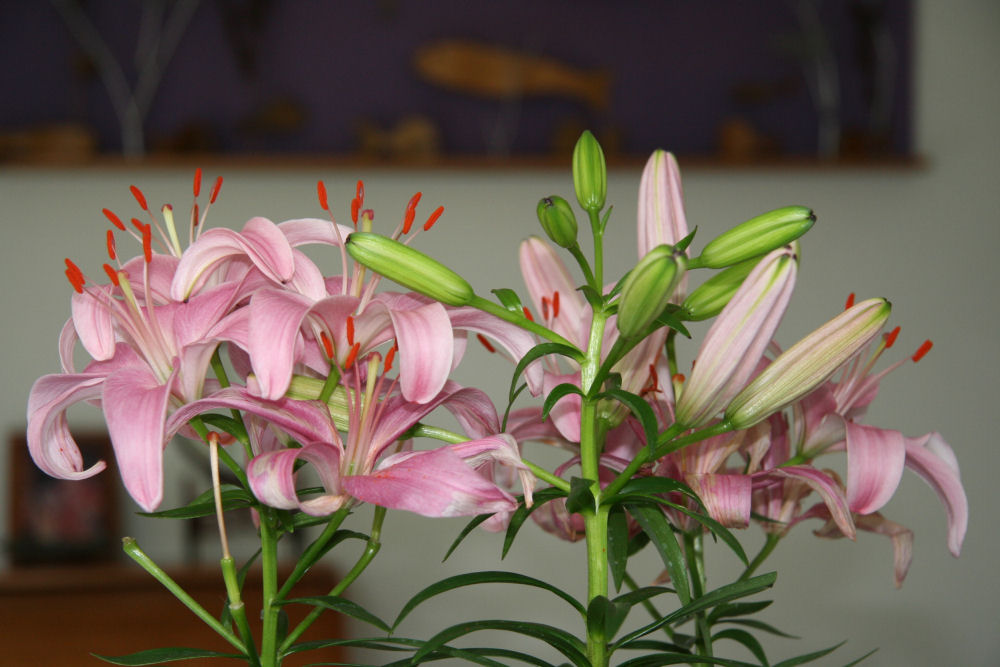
<point>135,408</point>
<point>272,478</point>
<point>875,460</point>
<point>566,412</point>
<point>94,324</point>
<point>827,488</point>
<point>934,461</point>
<point>274,323</point>
<point>513,339</point>
<point>313,230</point>
<point>726,497</point>
<point>661,216</point>
<point>544,274</point>
<point>902,542</point>
<point>433,483</point>
<point>425,340</point>
<point>50,444</point>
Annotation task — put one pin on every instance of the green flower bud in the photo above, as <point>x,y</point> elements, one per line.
<point>757,236</point>
<point>590,173</point>
<point>558,220</point>
<point>647,289</point>
<point>304,388</point>
<point>808,363</point>
<point>709,298</point>
<point>410,268</point>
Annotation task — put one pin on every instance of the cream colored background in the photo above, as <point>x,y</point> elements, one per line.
<point>925,238</point>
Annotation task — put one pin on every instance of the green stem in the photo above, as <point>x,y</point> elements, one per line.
<point>598,231</point>
<point>519,319</point>
<point>238,609</point>
<point>269,587</point>
<point>314,551</point>
<point>694,550</point>
<point>588,274</point>
<point>371,549</point>
<point>769,544</point>
<point>131,547</point>
<point>596,526</point>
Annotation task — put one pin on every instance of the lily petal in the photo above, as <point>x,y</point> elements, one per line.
<point>875,460</point>
<point>726,497</point>
<point>661,216</point>
<point>426,348</point>
<point>934,461</point>
<point>50,444</point>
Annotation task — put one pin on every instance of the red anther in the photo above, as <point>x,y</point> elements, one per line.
<point>352,356</point>
<point>350,330</point>
<point>355,207</point>
<point>555,304</point>
<point>112,275</point>
<point>359,192</point>
<point>75,276</point>
<point>654,379</point>
<point>197,181</point>
<point>138,224</point>
<point>527,313</point>
<point>850,301</point>
<point>411,212</point>
<point>321,191</point>
<point>139,197</point>
<point>545,308</point>
<point>433,218</point>
<point>195,213</point>
<point>327,344</point>
<point>147,243</point>
<point>485,343</point>
<point>678,377</point>
<point>924,348</point>
<point>215,190</point>
<point>390,357</point>
<point>115,220</point>
<point>890,338</point>
<point>112,253</point>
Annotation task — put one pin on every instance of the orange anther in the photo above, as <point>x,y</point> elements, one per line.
<point>197,182</point>
<point>555,304</point>
<point>139,197</point>
<point>112,275</point>
<point>485,343</point>
<point>115,220</point>
<point>890,338</point>
<point>527,313</point>
<point>112,253</point>
<point>352,356</point>
<point>327,344</point>
<point>850,301</point>
<point>924,348</point>
<point>147,243</point>
<point>321,191</point>
<point>433,218</point>
<point>390,357</point>
<point>350,330</point>
<point>215,190</point>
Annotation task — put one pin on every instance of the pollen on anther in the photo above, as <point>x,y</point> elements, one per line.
<point>527,314</point>
<point>924,348</point>
<point>390,357</point>
<point>112,252</point>
<point>327,344</point>
<point>555,304</point>
<point>197,182</point>
<point>139,197</point>
<point>433,218</point>
<point>850,301</point>
<point>215,190</point>
<point>147,243</point>
<point>545,308</point>
<point>359,191</point>
<point>411,212</point>
<point>75,276</point>
<point>890,338</point>
<point>114,219</point>
<point>355,207</point>
<point>112,275</point>
<point>321,191</point>
<point>678,378</point>
<point>350,330</point>
<point>352,355</point>
<point>485,343</point>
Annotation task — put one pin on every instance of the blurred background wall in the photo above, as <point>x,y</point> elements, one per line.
<point>925,237</point>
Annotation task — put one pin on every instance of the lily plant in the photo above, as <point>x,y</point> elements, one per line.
<point>318,393</point>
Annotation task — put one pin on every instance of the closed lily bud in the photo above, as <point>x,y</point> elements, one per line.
<point>808,363</point>
<point>590,173</point>
<point>304,388</point>
<point>709,298</point>
<point>647,289</point>
<point>558,220</point>
<point>757,236</point>
<point>736,341</point>
<point>410,268</point>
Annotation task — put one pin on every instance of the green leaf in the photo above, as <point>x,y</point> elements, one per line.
<point>469,527</point>
<point>159,656</point>
<point>682,659</point>
<point>510,404</point>
<point>639,408</point>
<point>656,526</point>
<point>557,393</point>
<point>759,625</point>
<point>343,606</point>
<point>607,615</point>
<point>509,299</point>
<point>671,317</point>
<point>862,658</point>
<point>737,609</point>
<point>562,641</point>
<point>640,595</point>
<point>537,352</point>
<point>522,513</point>
<point>650,487</point>
<point>808,657</point>
<point>228,424</point>
<point>718,596</point>
<point>476,578</point>
<point>593,297</point>
<point>581,496</point>
<point>617,545</point>
<point>204,505</point>
<point>745,638</point>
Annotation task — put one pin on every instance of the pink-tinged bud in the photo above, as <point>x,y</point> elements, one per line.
<point>808,363</point>
<point>661,215</point>
<point>735,343</point>
<point>757,236</point>
<point>410,268</point>
<point>590,173</point>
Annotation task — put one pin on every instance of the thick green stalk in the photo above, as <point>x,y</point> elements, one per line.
<point>269,588</point>
<point>238,609</point>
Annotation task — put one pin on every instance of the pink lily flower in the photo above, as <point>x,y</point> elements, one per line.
<point>453,480</point>
<point>661,217</point>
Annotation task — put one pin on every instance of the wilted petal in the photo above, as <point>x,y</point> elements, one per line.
<point>435,483</point>
<point>272,478</point>
<point>902,542</point>
<point>875,460</point>
<point>726,497</point>
<point>932,458</point>
<point>826,487</point>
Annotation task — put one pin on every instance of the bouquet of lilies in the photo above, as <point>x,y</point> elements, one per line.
<point>318,393</point>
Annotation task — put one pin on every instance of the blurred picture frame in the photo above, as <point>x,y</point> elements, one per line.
<point>61,522</point>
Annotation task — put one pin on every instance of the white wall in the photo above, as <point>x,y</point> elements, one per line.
<point>925,238</point>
